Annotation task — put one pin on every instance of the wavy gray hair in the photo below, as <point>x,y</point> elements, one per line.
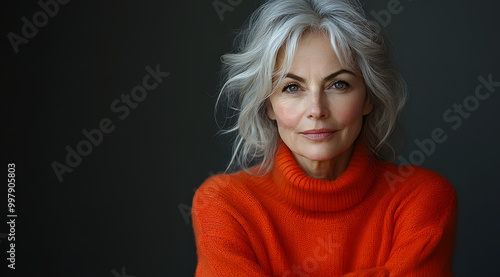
<point>249,73</point>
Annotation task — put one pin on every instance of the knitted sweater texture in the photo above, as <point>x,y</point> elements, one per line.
<point>376,219</point>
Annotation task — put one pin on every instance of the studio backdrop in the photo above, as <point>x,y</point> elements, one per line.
<point>108,126</point>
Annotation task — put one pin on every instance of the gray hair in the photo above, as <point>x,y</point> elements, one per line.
<point>249,73</point>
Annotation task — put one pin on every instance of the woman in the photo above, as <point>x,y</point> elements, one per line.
<point>316,102</point>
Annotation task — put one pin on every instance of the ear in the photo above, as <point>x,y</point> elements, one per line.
<point>367,106</point>
<point>270,110</point>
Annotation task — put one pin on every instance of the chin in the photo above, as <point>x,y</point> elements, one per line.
<point>320,152</point>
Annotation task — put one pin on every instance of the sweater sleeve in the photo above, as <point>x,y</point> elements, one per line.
<point>424,232</point>
<point>223,247</point>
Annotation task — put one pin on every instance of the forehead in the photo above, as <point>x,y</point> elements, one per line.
<point>313,51</point>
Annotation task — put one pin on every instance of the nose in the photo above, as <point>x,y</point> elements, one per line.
<point>317,105</point>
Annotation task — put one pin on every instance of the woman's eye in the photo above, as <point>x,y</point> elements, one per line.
<point>291,88</point>
<point>340,85</point>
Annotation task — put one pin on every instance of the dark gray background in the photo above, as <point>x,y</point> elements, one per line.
<point>119,209</point>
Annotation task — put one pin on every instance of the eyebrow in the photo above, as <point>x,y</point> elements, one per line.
<point>327,78</point>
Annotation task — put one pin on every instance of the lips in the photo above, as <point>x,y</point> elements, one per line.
<point>318,134</point>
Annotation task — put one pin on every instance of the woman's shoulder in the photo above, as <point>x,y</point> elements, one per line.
<point>412,178</point>
<point>224,187</point>
<point>419,196</point>
<point>224,200</point>
<point>214,186</point>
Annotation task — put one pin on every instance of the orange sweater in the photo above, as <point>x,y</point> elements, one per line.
<point>376,219</point>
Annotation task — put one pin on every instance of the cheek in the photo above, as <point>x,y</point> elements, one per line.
<point>287,116</point>
<point>349,113</point>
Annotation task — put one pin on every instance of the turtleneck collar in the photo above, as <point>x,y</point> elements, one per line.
<point>322,195</point>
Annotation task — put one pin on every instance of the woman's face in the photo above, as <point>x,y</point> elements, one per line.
<point>318,106</point>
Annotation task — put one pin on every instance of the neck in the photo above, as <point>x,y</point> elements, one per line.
<point>330,169</point>
<point>293,185</point>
